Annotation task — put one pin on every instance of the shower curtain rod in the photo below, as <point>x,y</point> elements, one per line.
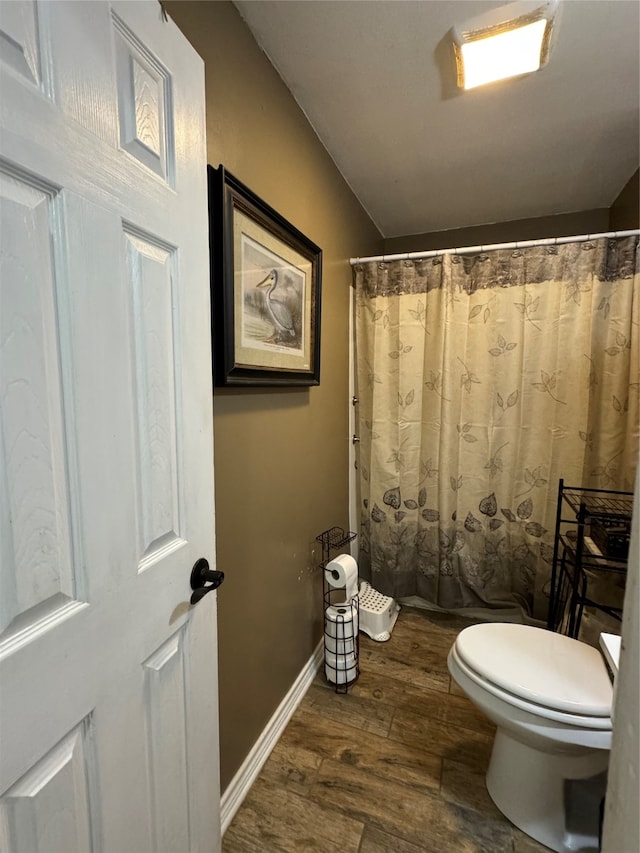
<point>518,244</point>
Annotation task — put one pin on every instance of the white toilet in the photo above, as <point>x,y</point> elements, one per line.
<point>550,697</point>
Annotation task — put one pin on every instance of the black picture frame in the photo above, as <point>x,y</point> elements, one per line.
<point>259,338</point>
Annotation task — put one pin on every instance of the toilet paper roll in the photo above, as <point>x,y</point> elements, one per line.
<point>339,615</point>
<point>340,669</point>
<point>341,628</point>
<point>342,571</point>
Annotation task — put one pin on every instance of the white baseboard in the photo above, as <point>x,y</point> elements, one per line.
<point>238,788</point>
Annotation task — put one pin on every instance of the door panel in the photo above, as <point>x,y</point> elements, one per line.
<point>108,706</point>
<point>19,43</point>
<point>165,718</point>
<point>49,809</point>
<point>156,314</point>
<point>35,537</point>
<point>144,104</point>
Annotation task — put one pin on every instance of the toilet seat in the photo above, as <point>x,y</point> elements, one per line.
<point>535,670</point>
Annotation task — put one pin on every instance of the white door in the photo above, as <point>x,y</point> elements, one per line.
<point>108,677</point>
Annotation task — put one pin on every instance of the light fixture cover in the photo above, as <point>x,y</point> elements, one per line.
<point>506,42</point>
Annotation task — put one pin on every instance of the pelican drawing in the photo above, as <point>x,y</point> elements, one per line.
<point>280,314</point>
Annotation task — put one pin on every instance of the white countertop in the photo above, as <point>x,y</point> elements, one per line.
<point>610,645</point>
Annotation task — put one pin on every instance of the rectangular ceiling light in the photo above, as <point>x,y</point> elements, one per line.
<point>508,42</point>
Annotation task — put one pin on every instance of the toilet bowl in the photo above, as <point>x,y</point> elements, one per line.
<point>550,698</point>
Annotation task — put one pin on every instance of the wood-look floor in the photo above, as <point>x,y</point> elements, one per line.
<point>396,765</point>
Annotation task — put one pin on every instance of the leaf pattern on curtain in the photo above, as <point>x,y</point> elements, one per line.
<point>482,381</point>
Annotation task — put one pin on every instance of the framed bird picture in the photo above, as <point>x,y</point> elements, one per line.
<point>266,279</point>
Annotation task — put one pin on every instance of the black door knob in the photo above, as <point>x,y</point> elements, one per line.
<point>203,580</point>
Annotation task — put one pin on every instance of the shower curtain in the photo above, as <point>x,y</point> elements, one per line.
<point>481,381</point>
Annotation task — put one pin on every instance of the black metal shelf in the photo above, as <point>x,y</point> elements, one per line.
<point>578,559</point>
<point>599,503</point>
<point>592,557</point>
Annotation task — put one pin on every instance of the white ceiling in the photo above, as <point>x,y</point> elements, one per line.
<point>377,82</point>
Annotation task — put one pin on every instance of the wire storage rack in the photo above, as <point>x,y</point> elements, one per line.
<point>341,619</point>
<point>591,542</point>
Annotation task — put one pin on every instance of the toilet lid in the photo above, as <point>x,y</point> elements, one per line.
<point>539,666</point>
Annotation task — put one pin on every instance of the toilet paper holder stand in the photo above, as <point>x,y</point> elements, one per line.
<point>341,667</point>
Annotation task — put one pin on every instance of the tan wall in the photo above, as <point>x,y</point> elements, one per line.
<point>624,213</point>
<point>560,225</point>
<point>281,463</point>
